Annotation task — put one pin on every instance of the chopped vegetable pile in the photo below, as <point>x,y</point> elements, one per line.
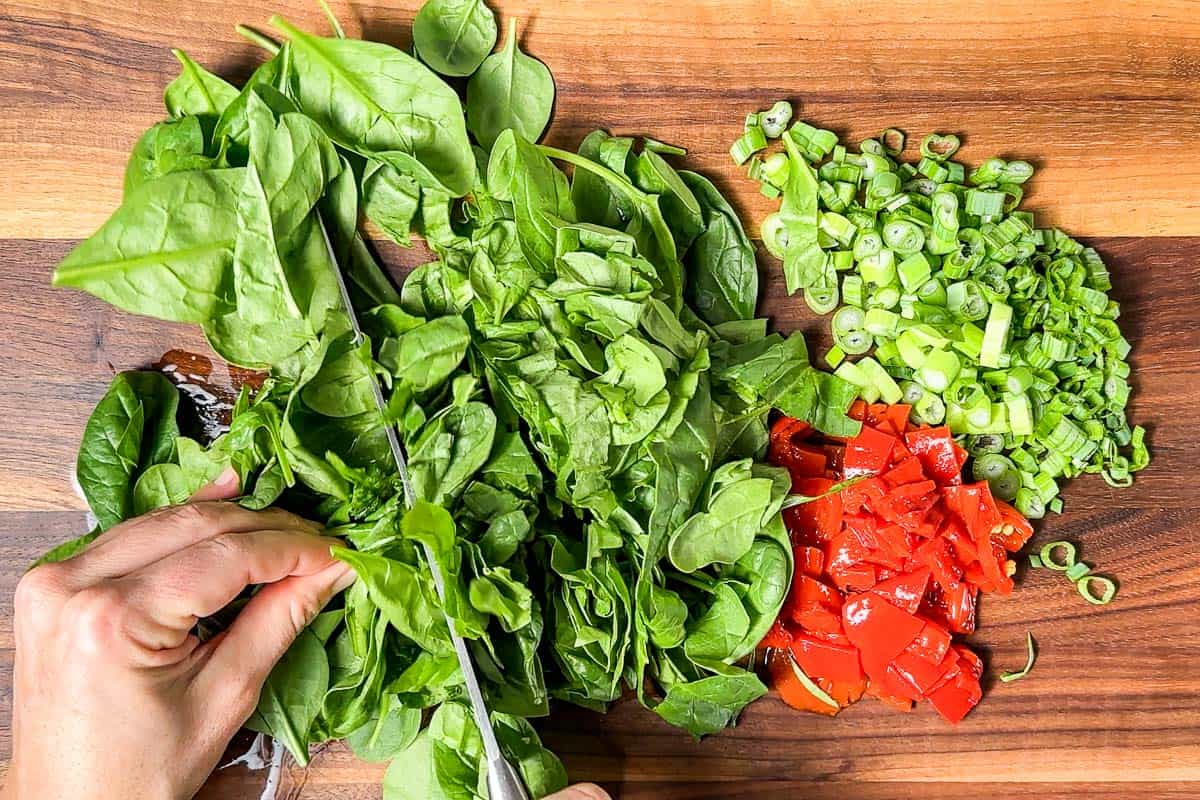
<point>891,551</point>
<point>578,378</point>
<point>1003,331</point>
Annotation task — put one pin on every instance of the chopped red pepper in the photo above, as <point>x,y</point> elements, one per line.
<point>936,450</point>
<point>815,605</point>
<point>905,591</point>
<point>838,663</point>
<point>868,453</point>
<point>777,636</point>
<point>889,568</point>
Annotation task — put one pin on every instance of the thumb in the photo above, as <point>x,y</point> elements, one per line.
<point>223,487</point>
<point>581,791</point>
<point>247,652</point>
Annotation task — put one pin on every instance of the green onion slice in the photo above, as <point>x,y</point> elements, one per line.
<point>1108,589</point>
<point>774,235</point>
<point>1077,571</point>
<point>1030,658</point>
<point>811,685</point>
<point>1068,558</point>
<point>939,147</point>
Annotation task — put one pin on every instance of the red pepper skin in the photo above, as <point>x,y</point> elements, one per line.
<point>955,698</point>
<point>816,606</point>
<point>863,493</point>
<point>920,675</point>
<point>878,629</point>
<point>868,453</point>
<point>1015,530</point>
<point>792,692</point>
<point>786,433</point>
<point>905,591</point>
<point>778,636</point>
<point>844,560</point>
<point>932,644</point>
<point>879,692</point>
<point>975,506</point>
<point>936,555</point>
<point>803,461</point>
<point>937,452</point>
<point>823,659</point>
<point>960,602</point>
<point>822,517</point>
<point>810,561</point>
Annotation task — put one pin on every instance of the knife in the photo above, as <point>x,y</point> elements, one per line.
<point>502,779</point>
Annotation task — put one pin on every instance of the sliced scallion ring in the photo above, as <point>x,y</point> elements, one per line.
<point>848,318</point>
<point>822,299</point>
<point>892,140</point>
<point>938,147</point>
<point>1108,589</point>
<point>1001,474</point>
<point>1078,571</point>
<point>774,235</point>
<point>854,343</point>
<point>1059,564</point>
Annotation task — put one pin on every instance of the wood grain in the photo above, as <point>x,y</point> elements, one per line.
<point>1105,96</point>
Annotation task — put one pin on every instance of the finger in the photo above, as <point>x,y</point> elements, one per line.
<point>581,791</point>
<point>167,597</point>
<point>139,542</point>
<point>243,658</point>
<point>226,485</point>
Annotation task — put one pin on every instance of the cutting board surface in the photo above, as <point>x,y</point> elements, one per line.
<point>1104,97</point>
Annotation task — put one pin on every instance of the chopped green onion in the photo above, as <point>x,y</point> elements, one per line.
<point>1030,658</point>
<point>774,235</point>
<point>775,120</point>
<point>1109,586</point>
<point>1066,562</point>
<point>822,299</point>
<point>892,140</point>
<point>834,356</point>
<point>748,144</point>
<point>809,684</point>
<point>995,335</point>
<point>1078,570</point>
<point>1035,561</point>
<point>938,147</point>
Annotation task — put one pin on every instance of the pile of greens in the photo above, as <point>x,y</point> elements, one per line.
<point>578,378</point>
<point>1001,330</point>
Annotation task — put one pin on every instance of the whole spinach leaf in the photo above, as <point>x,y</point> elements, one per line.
<point>454,36</point>
<point>377,101</point>
<point>291,697</point>
<point>707,705</point>
<point>721,268</point>
<point>132,428</point>
<point>167,252</point>
<point>509,90</point>
<point>196,90</point>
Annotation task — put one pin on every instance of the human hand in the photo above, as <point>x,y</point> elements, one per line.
<point>113,696</point>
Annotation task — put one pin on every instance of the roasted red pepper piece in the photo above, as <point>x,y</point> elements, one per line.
<point>957,696</point>
<point>864,492</point>
<point>822,517</point>
<point>810,561</point>
<point>959,601</point>
<point>1014,531</point>
<point>920,674</point>
<point>778,636</point>
<point>879,692</point>
<point>824,659</point>
<point>935,554</point>
<point>792,691</point>
<point>815,605</point>
<point>786,433</point>
<point>936,450</point>
<point>869,453</point>
<point>804,461</point>
<point>932,643</point>
<point>905,591</point>
<point>878,629</point>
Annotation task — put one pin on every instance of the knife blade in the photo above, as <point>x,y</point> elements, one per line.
<point>503,780</point>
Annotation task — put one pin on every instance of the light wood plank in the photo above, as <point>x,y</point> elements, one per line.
<point>1104,96</point>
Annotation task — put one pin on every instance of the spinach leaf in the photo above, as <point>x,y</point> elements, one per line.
<point>390,731</point>
<point>722,271</point>
<point>454,36</point>
<point>405,595</point>
<point>718,632</point>
<point>390,200</point>
<point>541,203</point>
<point>724,532</point>
<point>196,90</point>
<point>167,252</point>
<point>291,698</point>
<point>176,145</point>
<point>132,428</point>
<point>707,705</point>
<point>509,90</point>
<point>377,101</point>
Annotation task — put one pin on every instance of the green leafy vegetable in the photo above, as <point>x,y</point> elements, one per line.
<point>454,36</point>
<point>511,90</point>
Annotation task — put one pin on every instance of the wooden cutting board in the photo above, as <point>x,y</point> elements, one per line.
<point>1103,96</point>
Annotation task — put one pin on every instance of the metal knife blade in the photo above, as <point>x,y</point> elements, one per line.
<point>502,778</point>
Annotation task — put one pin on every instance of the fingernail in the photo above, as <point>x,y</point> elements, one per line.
<point>346,580</point>
<point>228,480</point>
